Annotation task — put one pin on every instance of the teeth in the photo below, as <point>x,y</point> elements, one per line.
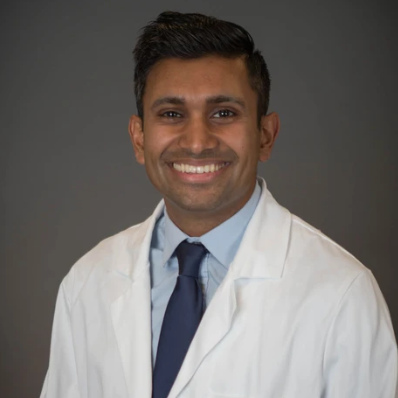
<point>187,168</point>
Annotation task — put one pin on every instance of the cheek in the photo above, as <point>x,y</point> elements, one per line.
<point>246,147</point>
<point>155,143</point>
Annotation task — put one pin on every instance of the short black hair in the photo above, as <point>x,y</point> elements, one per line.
<point>190,36</point>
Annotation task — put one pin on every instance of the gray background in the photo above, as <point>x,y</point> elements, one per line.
<point>68,174</point>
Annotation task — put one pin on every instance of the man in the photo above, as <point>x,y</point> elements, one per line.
<point>221,292</point>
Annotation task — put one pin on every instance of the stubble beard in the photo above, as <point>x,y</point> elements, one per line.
<point>197,199</point>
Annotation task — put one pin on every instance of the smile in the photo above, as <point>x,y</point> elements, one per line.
<point>190,169</point>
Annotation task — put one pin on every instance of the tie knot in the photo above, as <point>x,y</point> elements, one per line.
<point>189,257</point>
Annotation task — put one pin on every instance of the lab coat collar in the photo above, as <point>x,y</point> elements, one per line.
<point>133,254</point>
<point>261,254</point>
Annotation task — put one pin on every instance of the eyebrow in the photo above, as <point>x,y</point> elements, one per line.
<point>168,100</point>
<point>219,99</point>
<point>216,99</point>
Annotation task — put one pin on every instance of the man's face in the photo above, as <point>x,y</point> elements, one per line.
<point>201,141</point>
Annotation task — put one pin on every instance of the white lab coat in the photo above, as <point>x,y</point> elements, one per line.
<point>295,317</point>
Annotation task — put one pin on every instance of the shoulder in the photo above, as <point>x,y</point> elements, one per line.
<point>315,244</point>
<point>315,256</point>
<point>325,276</point>
<point>94,266</point>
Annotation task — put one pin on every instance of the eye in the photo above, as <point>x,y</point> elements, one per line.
<point>223,113</point>
<point>171,114</point>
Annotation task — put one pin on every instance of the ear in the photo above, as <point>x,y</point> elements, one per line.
<point>137,138</point>
<point>269,130</point>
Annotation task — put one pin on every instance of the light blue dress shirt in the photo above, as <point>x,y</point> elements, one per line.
<point>222,244</point>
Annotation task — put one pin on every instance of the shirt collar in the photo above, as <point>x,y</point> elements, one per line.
<point>173,236</point>
<point>223,241</point>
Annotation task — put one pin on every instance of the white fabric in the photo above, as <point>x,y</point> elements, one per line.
<point>295,317</point>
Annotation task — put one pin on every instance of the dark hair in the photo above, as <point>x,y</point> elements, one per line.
<point>189,36</point>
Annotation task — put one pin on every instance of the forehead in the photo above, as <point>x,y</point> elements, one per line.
<point>197,79</point>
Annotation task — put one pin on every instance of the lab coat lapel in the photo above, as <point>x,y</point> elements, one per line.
<point>261,254</point>
<point>131,308</point>
<point>263,250</point>
<point>131,319</point>
<point>215,324</point>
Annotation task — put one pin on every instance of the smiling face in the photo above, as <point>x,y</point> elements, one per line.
<point>200,140</point>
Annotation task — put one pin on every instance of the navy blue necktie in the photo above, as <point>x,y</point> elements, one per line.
<point>182,317</point>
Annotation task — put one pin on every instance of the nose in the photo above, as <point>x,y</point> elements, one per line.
<point>197,136</point>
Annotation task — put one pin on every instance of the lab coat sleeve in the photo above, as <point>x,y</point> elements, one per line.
<point>361,353</point>
<point>61,378</point>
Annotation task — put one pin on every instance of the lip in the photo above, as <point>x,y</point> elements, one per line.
<point>197,162</point>
<point>198,177</point>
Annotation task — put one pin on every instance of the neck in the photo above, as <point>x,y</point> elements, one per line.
<point>197,223</point>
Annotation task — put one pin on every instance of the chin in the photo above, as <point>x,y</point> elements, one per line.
<point>196,204</point>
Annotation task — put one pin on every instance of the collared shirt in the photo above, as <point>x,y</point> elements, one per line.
<point>222,244</point>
